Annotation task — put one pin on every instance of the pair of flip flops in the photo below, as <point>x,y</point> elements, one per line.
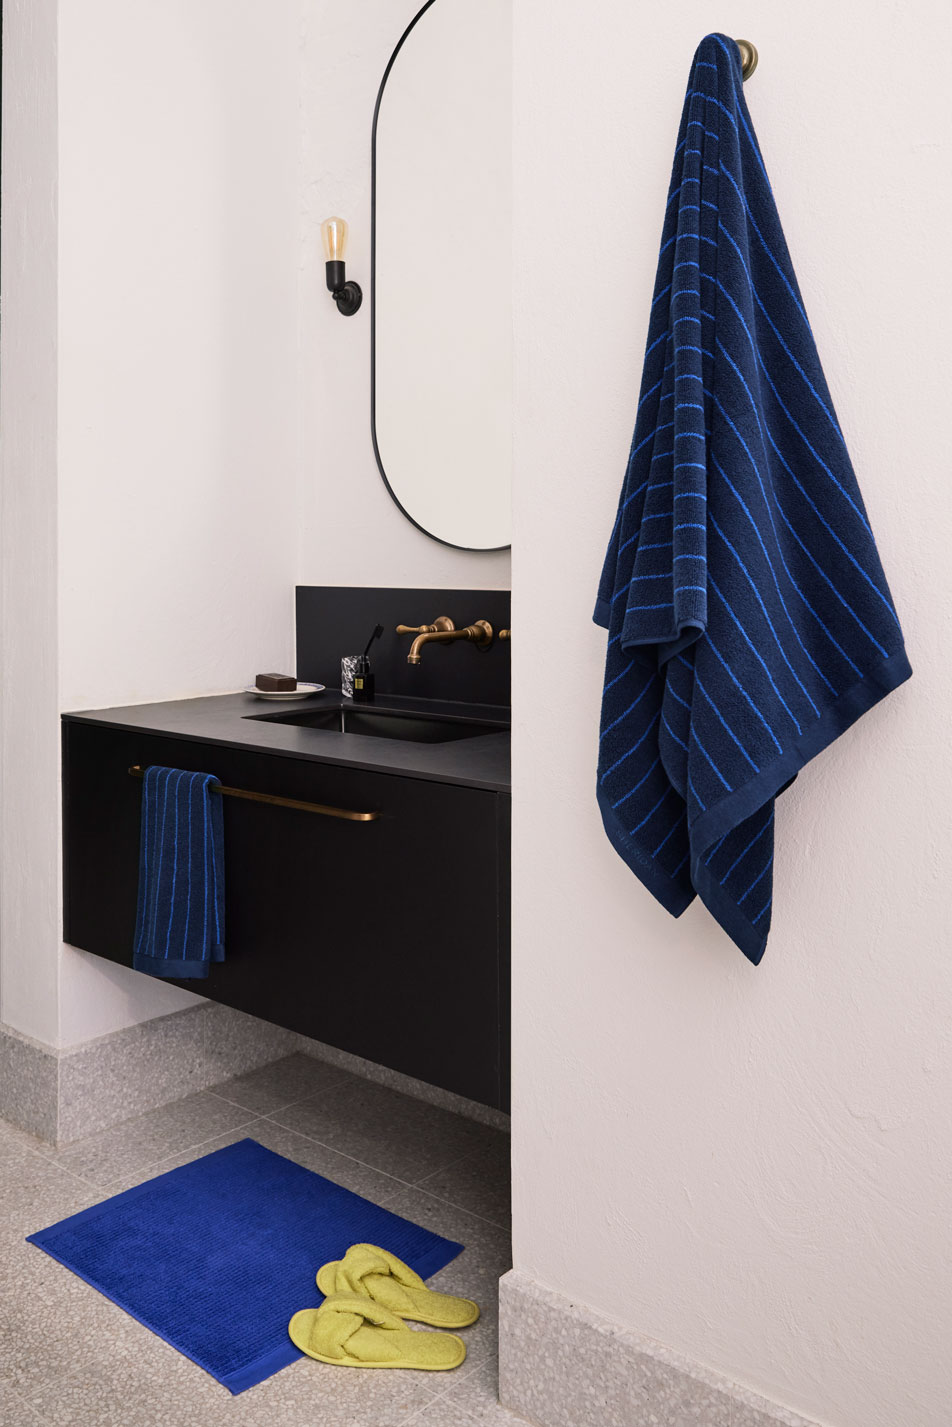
<point>368,1295</point>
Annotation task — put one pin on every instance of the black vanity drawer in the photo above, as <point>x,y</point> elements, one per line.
<point>386,938</point>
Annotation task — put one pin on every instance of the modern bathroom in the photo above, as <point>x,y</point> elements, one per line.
<point>401,968</point>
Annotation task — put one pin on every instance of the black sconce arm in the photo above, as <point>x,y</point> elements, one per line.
<point>347,295</point>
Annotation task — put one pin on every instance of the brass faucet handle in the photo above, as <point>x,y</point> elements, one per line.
<point>481,633</point>
<point>439,626</point>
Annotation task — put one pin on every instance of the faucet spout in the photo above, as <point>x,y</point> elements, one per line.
<point>442,631</point>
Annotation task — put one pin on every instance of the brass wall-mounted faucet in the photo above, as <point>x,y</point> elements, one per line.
<point>444,631</point>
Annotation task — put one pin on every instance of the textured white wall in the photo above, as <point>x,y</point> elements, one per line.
<point>750,1165</point>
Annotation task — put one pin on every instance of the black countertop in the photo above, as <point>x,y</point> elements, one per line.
<point>243,721</point>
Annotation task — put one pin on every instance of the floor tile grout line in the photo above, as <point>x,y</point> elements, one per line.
<point>493,1223</point>
<point>407,1184</point>
<point>464,1159</point>
<point>277,1109</point>
<point>441,1397</point>
<point>63,1168</point>
<point>452,1164</point>
<point>445,1392</point>
<point>351,1075</point>
<point>25,1402</point>
<point>441,1198</point>
<point>244,1125</point>
<point>404,1183</point>
<point>324,1145</point>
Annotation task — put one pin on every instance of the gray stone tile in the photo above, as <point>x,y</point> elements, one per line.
<point>490,1242</point>
<point>15,1411</point>
<point>479,1183</point>
<point>52,1322</point>
<point>312,1394</point>
<point>136,1144</point>
<point>406,1084</point>
<point>471,1397</point>
<point>132,1071</point>
<point>474,1394</point>
<point>35,1192</point>
<point>282,1083</point>
<point>175,1161</point>
<point>236,1043</point>
<point>387,1130</point>
<point>446,1412</point>
<point>359,1178</point>
<point>158,1387</point>
<point>29,1077</point>
<point>149,1384</point>
<point>106,1368</point>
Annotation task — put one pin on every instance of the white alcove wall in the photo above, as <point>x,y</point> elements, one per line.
<point>749,1165</point>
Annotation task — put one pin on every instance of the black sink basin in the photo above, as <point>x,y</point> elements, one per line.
<point>388,723</point>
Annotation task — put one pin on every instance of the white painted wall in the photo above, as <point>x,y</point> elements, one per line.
<point>29,769</point>
<point>178,225</point>
<point>185,416</point>
<point>750,1165</point>
<point>351,531</point>
<point>178,203</point>
<point>151,221</point>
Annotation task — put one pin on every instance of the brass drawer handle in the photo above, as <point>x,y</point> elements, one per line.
<point>137,771</point>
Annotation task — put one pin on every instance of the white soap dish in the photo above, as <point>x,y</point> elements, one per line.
<point>303,691</point>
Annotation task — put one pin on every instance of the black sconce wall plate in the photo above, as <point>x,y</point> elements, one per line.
<point>347,295</point>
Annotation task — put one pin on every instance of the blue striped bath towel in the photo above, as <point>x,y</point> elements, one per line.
<point>749,619</point>
<point>180,923</point>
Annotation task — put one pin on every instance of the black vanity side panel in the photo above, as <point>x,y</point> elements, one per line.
<point>380,938</point>
<point>504,884</point>
<point>339,619</point>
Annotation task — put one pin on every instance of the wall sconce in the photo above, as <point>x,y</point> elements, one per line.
<point>347,295</point>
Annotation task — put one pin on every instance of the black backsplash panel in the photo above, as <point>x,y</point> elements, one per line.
<point>333,620</point>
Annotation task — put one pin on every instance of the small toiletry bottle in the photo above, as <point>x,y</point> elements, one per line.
<point>363,681</point>
<point>348,664</point>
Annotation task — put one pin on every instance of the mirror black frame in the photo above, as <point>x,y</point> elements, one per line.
<point>471,549</point>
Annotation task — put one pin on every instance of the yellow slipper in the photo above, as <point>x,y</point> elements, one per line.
<point>375,1273</point>
<point>351,1331</point>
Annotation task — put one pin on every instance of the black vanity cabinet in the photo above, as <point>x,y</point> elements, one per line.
<point>388,939</point>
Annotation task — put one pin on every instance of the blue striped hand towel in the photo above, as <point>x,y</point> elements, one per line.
<point>180,921</point>
<point>749,619</point>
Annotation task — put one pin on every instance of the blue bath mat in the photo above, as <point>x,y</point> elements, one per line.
<point>216,1256</point>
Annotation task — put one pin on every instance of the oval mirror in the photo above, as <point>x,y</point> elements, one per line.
<point>441,299</point>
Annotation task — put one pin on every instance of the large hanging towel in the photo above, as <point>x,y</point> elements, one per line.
<point>749,619</point>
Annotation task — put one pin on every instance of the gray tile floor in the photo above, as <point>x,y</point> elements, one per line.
<point>70,1358</point>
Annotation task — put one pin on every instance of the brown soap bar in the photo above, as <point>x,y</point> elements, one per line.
<point>276,683</point>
